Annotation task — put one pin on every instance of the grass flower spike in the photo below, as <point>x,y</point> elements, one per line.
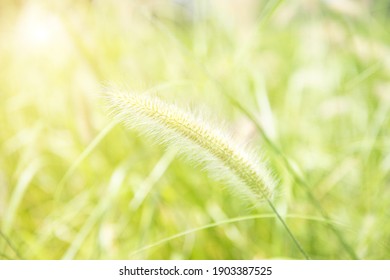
<point>198,141</point>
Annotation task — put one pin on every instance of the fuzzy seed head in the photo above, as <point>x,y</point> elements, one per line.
<point>197,140</point>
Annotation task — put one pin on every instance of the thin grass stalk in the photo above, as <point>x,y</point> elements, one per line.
<point>13,248</point>
<point>300,181</point>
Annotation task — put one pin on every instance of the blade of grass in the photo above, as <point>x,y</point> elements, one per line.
<point>22,184</point>
<point>13,248</point>
<point>146,186</point>
<point>5,256</point>
<point>219,223</point>
<point>112,190</point>
<point>81,157</point>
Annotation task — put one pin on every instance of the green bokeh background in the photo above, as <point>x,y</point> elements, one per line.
<point>306,82</point>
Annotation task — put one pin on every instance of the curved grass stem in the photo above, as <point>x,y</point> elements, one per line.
<point>300,181</point>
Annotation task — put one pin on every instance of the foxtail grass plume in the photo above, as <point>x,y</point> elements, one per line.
<point>194,138</point>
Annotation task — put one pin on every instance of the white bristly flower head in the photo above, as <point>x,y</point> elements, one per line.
<point>197,140</point>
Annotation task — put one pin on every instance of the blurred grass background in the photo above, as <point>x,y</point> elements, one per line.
<point>307,81</point>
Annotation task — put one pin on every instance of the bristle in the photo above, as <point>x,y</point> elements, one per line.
<point>198,141</point>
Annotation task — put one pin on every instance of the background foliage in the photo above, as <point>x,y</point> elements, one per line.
<point>306,81</point>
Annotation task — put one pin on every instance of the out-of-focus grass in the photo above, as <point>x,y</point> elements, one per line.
<point>314,75</point>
